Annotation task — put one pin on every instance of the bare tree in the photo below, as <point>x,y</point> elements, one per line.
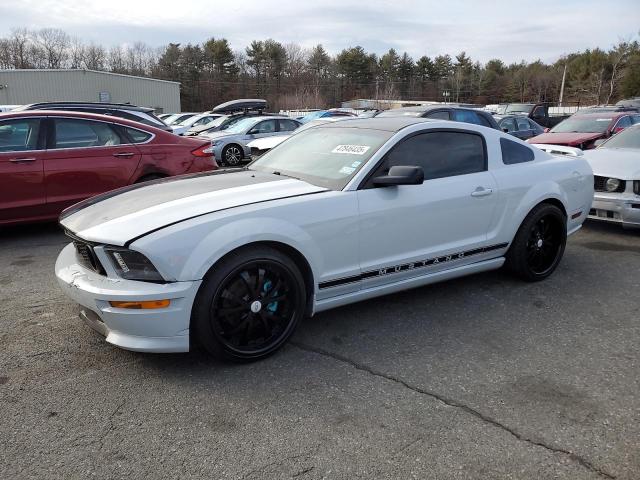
<point>20,42</point>
<point>76,53</point>
<point>618,57</point>
<point>55,43</point>
<point>95,57</point>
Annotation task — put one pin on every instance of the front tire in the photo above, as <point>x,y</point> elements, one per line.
<point>539,244</point>
<point>248,305</point>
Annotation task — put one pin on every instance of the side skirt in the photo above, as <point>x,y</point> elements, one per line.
<point>407,284</point>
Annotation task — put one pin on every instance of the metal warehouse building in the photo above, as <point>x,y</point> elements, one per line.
<point>21,87</point>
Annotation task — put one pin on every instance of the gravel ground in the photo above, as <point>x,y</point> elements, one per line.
<point>482,377</point>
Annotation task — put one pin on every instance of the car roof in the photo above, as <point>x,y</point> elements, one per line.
<point>97,105</point>
<point>73,114</point>
<point>611,115</point>
<point>510,115</point>
<point>389,124</point>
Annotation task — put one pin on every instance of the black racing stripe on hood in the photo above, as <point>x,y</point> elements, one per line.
<point>112,193</point>
<point>129,242</point>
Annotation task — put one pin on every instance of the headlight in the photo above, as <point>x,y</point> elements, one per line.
<point>612,184</point>
<point>133,265</point>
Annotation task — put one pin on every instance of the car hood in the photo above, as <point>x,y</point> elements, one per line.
<point>622,163</point>
<point>118,217</point>
<point>571,139</point>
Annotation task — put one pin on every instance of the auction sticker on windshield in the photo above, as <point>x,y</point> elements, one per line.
<point>351,149</point>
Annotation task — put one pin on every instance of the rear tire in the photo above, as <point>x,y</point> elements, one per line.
<point>539,244</point>
<point>248,305</point>
<point>232,155</point>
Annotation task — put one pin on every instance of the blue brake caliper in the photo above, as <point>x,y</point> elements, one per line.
<point>273,306</point>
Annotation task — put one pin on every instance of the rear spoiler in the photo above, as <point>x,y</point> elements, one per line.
<point>559,150</point>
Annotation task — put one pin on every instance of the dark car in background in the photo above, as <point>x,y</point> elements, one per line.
<point>519,126</point>
<point>123,110</point>
<point>584,130</point>
<point>538,112</point>
<point>51,159</point>
<point>444,112</point>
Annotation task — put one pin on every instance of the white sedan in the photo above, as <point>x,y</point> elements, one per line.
<point>346,211</point>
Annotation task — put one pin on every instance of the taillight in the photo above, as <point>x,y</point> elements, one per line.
<point>636,187</point>
<point>205,150</point>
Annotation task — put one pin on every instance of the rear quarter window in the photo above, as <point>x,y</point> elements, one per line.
<point>137,136</point>
<point>514,152</point>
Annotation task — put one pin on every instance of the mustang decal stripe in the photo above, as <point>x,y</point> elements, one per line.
<point>409,266</point>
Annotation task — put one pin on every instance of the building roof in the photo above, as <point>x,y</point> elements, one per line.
<point>83,70</point>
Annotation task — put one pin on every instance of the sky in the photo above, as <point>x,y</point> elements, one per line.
<point>484,29</point>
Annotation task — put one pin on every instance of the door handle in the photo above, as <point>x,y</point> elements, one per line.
<point>22,160</point>
<point>124,154</point>
<point>481,192</point>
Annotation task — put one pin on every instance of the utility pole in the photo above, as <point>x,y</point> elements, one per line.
<point>564,75</point>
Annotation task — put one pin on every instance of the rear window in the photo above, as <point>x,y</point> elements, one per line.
<point>514,152</point>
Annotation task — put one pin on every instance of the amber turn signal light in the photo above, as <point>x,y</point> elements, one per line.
<point>149,304</point>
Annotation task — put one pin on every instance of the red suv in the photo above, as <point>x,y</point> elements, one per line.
<point>52,159</point>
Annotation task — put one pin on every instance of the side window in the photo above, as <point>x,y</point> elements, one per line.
<point>268,126</point>
<point>523,124</point>
<point>513,152</point>
<point>138,136</point>
<point>509,124</point>
<point>440,115</point>
<point>624,122</point>
<point>466,116</point>
<point>538,112</point>
<point>19,135</point>
<point>635,119</point>
<point>72,133</point>
<point>440,154</point>
<point>288,125</point>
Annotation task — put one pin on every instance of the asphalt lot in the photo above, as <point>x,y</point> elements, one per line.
<point>483,377</point>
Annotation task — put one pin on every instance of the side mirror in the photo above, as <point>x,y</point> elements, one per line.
<point>546,130</point>
<point>401,175</point>
<point>598,142</point>
<point>617,130</point>
<point>505,130</point>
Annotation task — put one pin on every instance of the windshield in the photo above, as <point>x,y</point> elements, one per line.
<point>327,157</point>
<point>241,126</point>
<point>582,125</point>
<point>519,107</point>
<point>312,116</point>
<point>628,138</point>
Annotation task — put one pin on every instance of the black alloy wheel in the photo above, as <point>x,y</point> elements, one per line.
<point>249,305</point>
<point>539,244</point>
<point>544,244</point>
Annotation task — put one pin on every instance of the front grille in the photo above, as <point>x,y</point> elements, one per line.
<point>87,257</point>
<point>599,184</point>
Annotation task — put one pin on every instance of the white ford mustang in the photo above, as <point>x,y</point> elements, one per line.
<point>232,260</point>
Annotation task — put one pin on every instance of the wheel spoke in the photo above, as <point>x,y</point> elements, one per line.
<point>246,280</point>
